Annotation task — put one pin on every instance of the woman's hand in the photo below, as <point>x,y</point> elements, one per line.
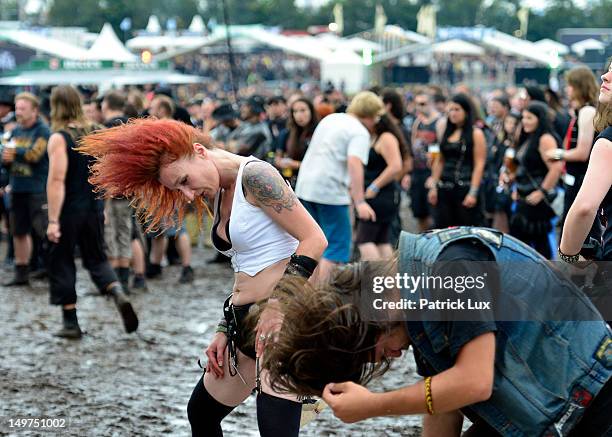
<point>432,196</point>
<point>534,198</point>
<point>53,232</point>
<point>270,322</point>
<point>215,353</point>
<point>349,401</point>
<point>370,194</point>
<point>469,201</point>
<point>554,154</point>
<point>406,181</point>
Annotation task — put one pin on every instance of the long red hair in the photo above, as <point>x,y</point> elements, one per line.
<point>128,159</point>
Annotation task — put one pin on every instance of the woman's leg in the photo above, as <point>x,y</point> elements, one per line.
<point>205,413</point>
<point>214,398</point>
<point>277,415</point>
<point>368,252</point>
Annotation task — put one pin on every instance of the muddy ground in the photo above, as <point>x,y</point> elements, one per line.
<point>114,384</point>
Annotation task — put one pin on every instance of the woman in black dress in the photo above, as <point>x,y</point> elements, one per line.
<point>536,179</point>
<point>458,171</point>
<point>381,190</point>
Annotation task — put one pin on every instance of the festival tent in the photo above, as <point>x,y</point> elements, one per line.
<point>104,78</point>
<point>588,44</point>
<point>345,70</point>
<point>450,47</point>
<point>512,46</point>
<point>43,44</point>
<point>157,43</point>
<point>457,47</point>
<point>550,46</point>
<point>153,25</point>
<point>197,25</point>
<point>108,47</point>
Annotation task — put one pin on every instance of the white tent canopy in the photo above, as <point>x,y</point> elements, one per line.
<point>197,24</point>
<point>44,44</point>
<point>513,46</point>
<point>457,47</point>
<point>588,44</point>
<point>102,78</point>
<point>153,25</point>
<point>108,47</point>
<point>552,46</point>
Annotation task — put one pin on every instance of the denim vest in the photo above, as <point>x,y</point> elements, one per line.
<point>546,372</point>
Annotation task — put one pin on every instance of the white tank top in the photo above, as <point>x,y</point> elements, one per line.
<point>257,240</point>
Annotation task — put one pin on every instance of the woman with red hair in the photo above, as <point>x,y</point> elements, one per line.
<point>163,165</point>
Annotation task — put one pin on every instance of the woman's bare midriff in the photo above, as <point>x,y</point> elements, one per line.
<point>249,289</point>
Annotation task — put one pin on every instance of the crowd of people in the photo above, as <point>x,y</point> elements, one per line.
<point>299,185</point>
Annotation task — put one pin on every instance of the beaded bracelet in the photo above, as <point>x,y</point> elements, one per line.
<point>222,326</point>
<point>428,397</point>
<point>570,259</point>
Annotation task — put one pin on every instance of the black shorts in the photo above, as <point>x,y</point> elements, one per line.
<point>28,213</point>
<point>240,337</point>
<point>418,194</point>
<point>372,232</point>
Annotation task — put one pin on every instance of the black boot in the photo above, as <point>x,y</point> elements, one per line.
<point>71,328</point>
<point>138,282</point>
<point>154,271</point>
<point>130,320</point>
<point>186,275</point>
<point>21,276</point>
<point>123,273</point>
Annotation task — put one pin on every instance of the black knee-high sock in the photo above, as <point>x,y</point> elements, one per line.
<point>277,417</point>
<point>205,413</point>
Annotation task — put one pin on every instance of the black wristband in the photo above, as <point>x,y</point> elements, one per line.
<point>301,265</point>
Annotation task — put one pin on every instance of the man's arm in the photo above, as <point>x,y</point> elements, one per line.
<point>355,170</point>
<point>58,165</point>
<point>469,381</point>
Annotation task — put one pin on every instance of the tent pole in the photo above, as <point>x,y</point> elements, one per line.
<point>230,52</point>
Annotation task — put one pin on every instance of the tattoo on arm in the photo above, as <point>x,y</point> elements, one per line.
<point>267,186</point>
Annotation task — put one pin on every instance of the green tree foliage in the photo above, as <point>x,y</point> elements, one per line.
<point>93,14</point>
<point>458,13</point>
<point>559,14</point>
<point>358,14</point>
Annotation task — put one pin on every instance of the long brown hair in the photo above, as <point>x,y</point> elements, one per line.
<point>603,118</point>
<point>296,143</point>
<point>325,337</point>
<point>584,85</point>
<point>66,108</point>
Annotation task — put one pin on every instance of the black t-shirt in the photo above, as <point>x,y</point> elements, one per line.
<point>460,332</point>
<point>115,121</point>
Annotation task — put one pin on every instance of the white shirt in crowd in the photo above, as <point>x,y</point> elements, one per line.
<point>323,176</point>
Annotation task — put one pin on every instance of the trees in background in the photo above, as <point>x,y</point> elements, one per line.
<point>358,14</point>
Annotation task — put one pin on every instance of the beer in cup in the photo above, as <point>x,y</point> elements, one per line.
<point>433,151</point>
<point>509,161</point>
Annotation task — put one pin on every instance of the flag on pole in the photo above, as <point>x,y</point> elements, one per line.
<point>339,18</point>
<point>426,21</point>
<point>380,20</point>
<point>523,17</point>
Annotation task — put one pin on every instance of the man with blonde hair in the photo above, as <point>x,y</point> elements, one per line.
<point>331,175</point>
<point>27,161</point>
